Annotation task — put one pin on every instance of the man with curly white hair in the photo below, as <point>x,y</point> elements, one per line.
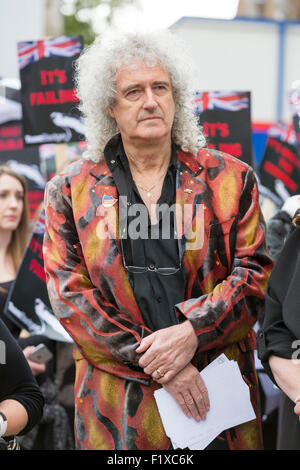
<point>154,249</point>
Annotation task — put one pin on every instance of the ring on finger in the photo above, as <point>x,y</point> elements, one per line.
<point>160,373</point>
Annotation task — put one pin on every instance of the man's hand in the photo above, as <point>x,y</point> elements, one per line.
<point>167,351</point>
<point>190,392</point>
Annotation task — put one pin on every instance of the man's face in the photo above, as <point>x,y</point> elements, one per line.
<point>144,108</point>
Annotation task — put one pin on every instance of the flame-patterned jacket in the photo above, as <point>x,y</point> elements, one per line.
<point>225,281</point>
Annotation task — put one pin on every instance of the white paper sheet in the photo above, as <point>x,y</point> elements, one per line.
<point>229,406</point>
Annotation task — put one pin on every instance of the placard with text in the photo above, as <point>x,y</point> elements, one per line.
<point>226,120</point>
<point>49,101</point>
<point>24,161</point>
<point>279,171</point>
<point>28,304</point>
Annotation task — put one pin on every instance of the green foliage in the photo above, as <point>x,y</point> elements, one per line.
<point>73,22</point>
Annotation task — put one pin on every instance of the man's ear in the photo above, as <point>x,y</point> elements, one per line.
<point>111,112</point>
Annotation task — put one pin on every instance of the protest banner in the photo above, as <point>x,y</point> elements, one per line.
<point>226,120</point>
<point>24,161</point>
<point>28,304</point>
<point>279,171</point>
<point>49,102</point>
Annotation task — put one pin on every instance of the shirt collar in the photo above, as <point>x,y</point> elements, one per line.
<point>115,155</point>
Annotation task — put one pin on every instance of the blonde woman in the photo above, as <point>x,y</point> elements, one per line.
<point>14,232</point>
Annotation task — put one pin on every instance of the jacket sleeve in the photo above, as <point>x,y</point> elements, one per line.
<point>227,313</point>
<point>98,328</point>
<point>17,381</point>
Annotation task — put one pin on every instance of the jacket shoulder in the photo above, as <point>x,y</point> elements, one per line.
<point>80,169</point>
<point>208,157</point>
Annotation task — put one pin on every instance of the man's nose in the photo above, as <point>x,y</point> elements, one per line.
<point>150,100</point>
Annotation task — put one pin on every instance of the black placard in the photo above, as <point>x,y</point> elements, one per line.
<point>49,102</point>
<point>226,121</point>
<point>28,304</point>
<point>279,170</point>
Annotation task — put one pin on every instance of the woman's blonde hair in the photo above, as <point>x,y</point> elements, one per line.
<point>20,235</point>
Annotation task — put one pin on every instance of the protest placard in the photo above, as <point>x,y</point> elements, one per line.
<point>279,171</point>
<point>28,304</point>
<point>49,100</point>
<point>226,120</point>
<point>24,161</point>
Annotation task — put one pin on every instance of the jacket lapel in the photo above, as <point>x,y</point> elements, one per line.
<point>106,201</point>
<point>190,191</point>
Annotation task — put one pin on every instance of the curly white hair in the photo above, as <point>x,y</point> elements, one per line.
<point>95,77</point>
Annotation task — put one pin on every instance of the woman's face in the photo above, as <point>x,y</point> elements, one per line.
<point>11,202</point>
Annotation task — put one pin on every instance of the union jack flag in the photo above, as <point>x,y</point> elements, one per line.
<point>283,132</point>
<point>230,101</point>
<point>62,46</point>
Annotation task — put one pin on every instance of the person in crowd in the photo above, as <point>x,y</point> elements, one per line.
<point>280,225</point>
<point>14,237</point>
<point>154,250</point>
<point>14,233</point>
<point>278,340</point>
<point>21,401</point>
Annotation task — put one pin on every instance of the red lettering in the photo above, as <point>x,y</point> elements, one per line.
<point>234,149</point>
<point>213,129</point>
<point>11,144</point>
<point>36,248</point>
<point>52,97</point>
<point>37,269</point>
<point>49,77</point>
<point>13,131</point>
<point>285,165</point>
<point>275,144</point>
<point>43,74</point>
<point>273,170</point>
<point>291,156</point>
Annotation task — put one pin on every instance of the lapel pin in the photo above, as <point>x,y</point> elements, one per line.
<point>108,201</point>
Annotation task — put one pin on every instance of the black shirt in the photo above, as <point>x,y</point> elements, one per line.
<point>16,379</point>
<point>156,294</point>
<point>13,328</point>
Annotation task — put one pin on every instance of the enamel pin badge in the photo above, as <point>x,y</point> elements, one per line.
<point>108,201</point>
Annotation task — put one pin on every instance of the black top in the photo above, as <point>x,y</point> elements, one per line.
<point>157,245</point>
<point>281,325</point>
<point>13,328</point>
<point>16,379</point>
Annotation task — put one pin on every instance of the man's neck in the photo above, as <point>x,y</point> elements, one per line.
<point>148,158</point>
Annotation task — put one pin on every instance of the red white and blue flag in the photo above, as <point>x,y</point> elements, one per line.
<point>62,46</point>
<point>283,132</point>
<point>228,101</point>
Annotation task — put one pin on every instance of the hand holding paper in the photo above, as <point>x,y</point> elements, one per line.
<point>230,405</point>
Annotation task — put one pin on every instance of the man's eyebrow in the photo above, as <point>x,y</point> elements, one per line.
<point>138,85</point>
<point>162,82</point>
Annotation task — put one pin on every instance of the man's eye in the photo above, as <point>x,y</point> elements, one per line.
<point>133,93</point>
<point>160,89</point>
